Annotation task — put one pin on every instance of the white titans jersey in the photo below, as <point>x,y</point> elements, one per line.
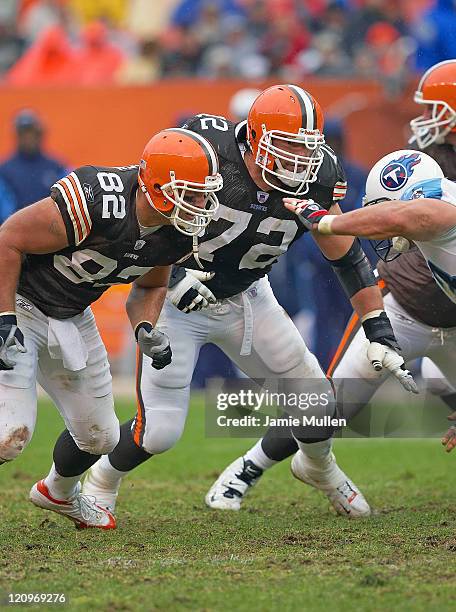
<point>440,253</point>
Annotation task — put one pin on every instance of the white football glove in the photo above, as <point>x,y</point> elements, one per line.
<point>383,350</point>
<point>189,293</point>
<point>154,344</point>
<point>382,356</point>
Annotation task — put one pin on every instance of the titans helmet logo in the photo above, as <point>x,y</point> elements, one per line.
<point>397,172</point>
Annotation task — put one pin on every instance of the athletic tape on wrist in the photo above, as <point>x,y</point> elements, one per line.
<point>324,225</point>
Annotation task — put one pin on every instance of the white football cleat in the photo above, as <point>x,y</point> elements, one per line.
<point>81,509</point>
<point>344,495</point>
<point>95,485</point>
<point>230,488</point>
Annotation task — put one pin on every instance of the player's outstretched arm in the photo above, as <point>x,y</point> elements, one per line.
<point>421,219</point>
<point>144,304</point>
<point>355,274</point>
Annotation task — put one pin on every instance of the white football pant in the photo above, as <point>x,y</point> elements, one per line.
<point>251,328</point>
<point>69,360</point>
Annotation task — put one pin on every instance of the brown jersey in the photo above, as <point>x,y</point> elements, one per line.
<point>106,244</point>
<point>409,278</point>
<point>251,228</point>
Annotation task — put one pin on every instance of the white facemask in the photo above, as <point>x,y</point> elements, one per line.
<point>287,177</point>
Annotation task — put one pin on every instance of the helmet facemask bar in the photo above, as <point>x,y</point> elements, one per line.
<point>385,246</point>
<point>427,130</point>
<point>385,249</point>
<point>176,190</point>
<point>305,167</point>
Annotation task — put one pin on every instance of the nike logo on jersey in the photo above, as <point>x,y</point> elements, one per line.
<point>131,255</point>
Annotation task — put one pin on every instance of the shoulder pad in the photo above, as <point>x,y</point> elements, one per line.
<point>331,171</point>
<point>91,195</point>
<point>219,131</point>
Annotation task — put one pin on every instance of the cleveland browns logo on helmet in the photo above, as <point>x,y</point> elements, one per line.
<point>437,91</point>
<point>281,115</point>
<point>176,165</point>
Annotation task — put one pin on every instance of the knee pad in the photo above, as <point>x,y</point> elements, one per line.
<point>99,432</point>
<point>162,434</point>
<point>98,440</point>
<point>13,442</point>
<point>107,442</point>
<point>307,366</point>
<point>160,423</point>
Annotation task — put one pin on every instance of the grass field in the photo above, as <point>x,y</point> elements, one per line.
<point>285,550</point>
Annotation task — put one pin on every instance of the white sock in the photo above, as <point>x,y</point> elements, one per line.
<point>110,476</point>
<point>61,487</point>
<point>319,453</point>
<point>257,455</point>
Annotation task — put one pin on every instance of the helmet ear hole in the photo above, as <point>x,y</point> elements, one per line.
<point>253,134</point>
<point>157,187</point>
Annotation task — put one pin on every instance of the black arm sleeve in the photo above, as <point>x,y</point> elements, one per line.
<point>354,270</point>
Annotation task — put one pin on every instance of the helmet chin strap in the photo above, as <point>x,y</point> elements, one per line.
<point>195,250</point>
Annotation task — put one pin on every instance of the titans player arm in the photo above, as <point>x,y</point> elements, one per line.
<point>144,304</point>
<point>357,279</point>
<point>421,219</point>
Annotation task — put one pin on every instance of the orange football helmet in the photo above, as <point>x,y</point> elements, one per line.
<point>177,163</point>
<point>437,90</point>
<point>286,114</point>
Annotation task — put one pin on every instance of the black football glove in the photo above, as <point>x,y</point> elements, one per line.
<point>384,351</point>
<point>11,337</point>
<point>154,344</point>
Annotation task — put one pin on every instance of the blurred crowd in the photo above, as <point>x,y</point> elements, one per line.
<point>92,42</point>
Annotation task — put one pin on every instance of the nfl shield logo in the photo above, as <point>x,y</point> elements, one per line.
<point>139,244</point>
<point>262,196</point>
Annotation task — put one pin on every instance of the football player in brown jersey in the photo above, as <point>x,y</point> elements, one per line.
<point>99,226</point>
